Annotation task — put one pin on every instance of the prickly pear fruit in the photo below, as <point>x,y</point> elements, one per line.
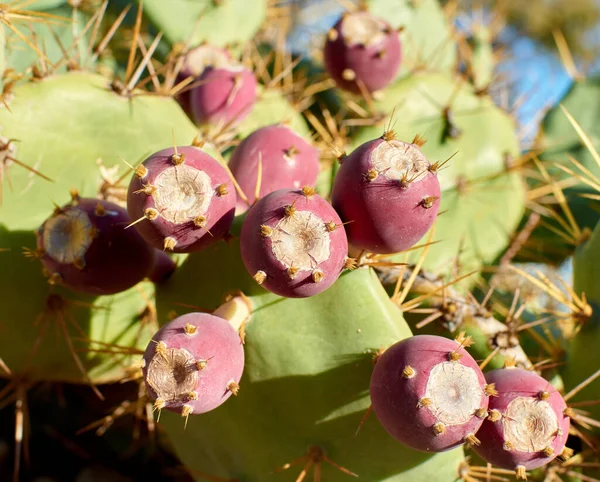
<point>193,364</point>
<point>287,161</point>
<point>163,267</point>
<point>527,426</point>
<point>388,193</point>
<point>362,52</point>
<point>84,246</point>
<point>195,62</point>
<point>429,393</point>
<point>293,243</point>
<point>182,198</point>
<point>225,95</point>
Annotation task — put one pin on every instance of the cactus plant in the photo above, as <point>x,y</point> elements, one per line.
<point>284,337</point>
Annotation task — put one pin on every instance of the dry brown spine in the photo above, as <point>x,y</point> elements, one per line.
<point>222,190</point>
<point>521,472</point>
<point>428,201</point>
<point>159,404</point>
<point>289,210</point>
<point>350,263</point>
<point>371,175</point>
<point>419,140</point>
<point>190,329</point>
<point>141,171</point>
<point>490,390</point>
<point>481,413</point>
<point>200,221</point>
<point>318,275</point>
<point>169,243</point>
<point>147,189</point>
<point>265,231</point>
<point>309,191</point>
<point>389,135</point>
<point>543,395</point>
<point>548,451</point>
<point>494,415</point>
<point>260,277</point>
<point>233,387</point>
<point>150,214</point>
<point>178,158</point>
<point>292,272</point>
<point>471,440</point>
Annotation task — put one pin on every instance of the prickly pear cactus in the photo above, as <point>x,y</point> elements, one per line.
<point>265,352</point>
<point>482,197</point>
<point>52,156</point>
<point>305,384</point>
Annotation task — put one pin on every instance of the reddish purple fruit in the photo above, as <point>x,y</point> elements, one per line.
<point>287,161</point>
<point>429,393</point>
<point>225,95</point>
<point>84,246</point>
<point>195,62</point>
<point>182,199</point>
<point>193,364</point>
<point>388,193</point>
<point>293,243</point>
<point>527,426</point>
<point>163,267</point>
<point>362,53</point>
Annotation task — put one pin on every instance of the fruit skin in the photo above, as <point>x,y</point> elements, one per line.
<point>395,398</point>
<point>189,237</point>
<point>257,250</point>
<point>163,267</point>
<point>510,384</point>
<point>281,168</point>
<point>383,217</point>
<point>225,96</point>
<point>116,259</point>
<point>195,62</point>
<point>375,65</point>
<point>217,343</point>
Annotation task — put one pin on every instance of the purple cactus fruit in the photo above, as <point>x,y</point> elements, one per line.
<point>224,96</point>
<point>287,160</point>
<point>193,364</point>
<point>429,393</point>
<point>293,243</point>
<point>84,246</point>
<point>388,193</point>
<point>362,52</point>
<point>527,426</point>
<point>163,267</point>
<point>195,61</point>
<point>182,198</point>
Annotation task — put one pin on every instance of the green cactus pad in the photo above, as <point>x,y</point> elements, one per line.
<point>63,125</point>
<point>51,37</point>
<point>484,202</point>
<point>307,372</point>
<point>558,140</point>
<point>219,23</point>
<point>582,358</point>
<point>427,37</point>
<point>34,315</point>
